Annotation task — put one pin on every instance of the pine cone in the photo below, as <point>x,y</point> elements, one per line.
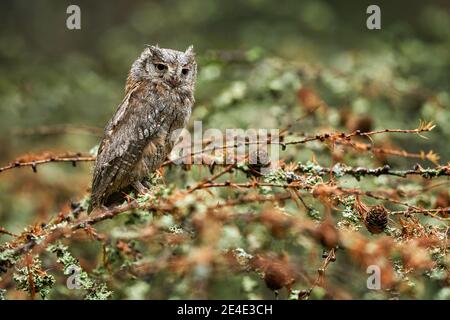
<point>376,219</point>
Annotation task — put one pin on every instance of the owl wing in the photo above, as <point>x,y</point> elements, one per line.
<point>126,135</point>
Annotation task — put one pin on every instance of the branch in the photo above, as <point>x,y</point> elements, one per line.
<point>338,137</point>
<point>214,177</point>
<point>360,146</point>
<point>4,231</point>
<point>34,160</point>
<point>330,257</point>
<point>423,127</point>
<point>339,170</point>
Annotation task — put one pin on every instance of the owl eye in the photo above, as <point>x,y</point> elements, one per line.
<point>184,71</point>
<point>160,66</point>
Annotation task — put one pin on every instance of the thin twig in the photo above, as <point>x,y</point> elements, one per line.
<point>331,257</point>
<point>78,157</point>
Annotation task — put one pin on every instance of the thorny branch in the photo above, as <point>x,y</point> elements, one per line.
<point>35,161</point>
<point>385,170</point>
<point>423,127</point>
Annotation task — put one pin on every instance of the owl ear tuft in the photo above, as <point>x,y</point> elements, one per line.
<point>155,51</point>
<point>190,51</point>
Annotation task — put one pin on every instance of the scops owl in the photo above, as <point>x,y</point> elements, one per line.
<point>159,95</point>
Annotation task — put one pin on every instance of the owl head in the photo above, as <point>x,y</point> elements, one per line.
<point>170,68</point>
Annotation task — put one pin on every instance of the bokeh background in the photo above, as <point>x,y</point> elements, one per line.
<point>58,87</point>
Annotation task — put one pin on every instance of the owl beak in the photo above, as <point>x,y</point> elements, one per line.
<point>174,81</point>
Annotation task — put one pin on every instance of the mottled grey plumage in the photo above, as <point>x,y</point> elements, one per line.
<point>140,135</point>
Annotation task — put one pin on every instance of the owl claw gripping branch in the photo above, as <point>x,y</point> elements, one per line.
<point>159,95</point>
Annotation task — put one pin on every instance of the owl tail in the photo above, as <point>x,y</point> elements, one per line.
<point>98,190</point>
<point>94,203</point>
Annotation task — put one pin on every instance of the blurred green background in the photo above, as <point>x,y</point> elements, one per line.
<point>253,56</point>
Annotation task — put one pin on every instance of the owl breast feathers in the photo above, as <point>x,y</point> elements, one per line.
<point>138,138</point>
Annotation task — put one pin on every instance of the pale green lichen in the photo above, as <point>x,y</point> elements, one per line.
<point>32,279</point>
<point>2,294</point>
<point>349,213</point>
<point>94,290</point>
<point>8,258</point>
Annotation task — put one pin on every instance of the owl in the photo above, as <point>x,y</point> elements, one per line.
<point>159,95</point>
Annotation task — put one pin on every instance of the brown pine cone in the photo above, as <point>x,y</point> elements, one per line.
<point>376,219</point>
